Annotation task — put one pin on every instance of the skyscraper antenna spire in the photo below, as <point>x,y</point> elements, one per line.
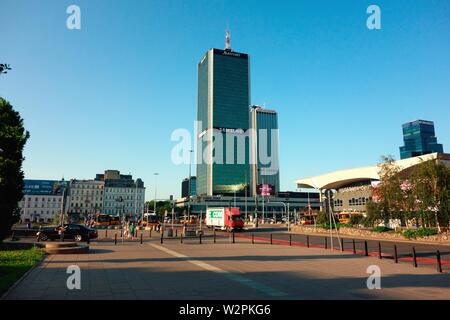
<point>227,40</point>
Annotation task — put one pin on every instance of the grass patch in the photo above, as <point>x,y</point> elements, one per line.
<point>14,263</point>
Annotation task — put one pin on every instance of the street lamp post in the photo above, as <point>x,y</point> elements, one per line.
<point>63,205</point>
<point>189,184</point>
<point>120,200</point>
<point>154,204</point>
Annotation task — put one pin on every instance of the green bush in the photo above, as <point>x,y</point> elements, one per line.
<point>418,233</point>
<point>338,225</point>
<point>356,219</point>
<point>381,229</point>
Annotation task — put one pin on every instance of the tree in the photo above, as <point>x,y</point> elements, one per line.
<point>394,195</point>
<point>4,68</point>
<point>161,207</point>
<point>390,192</point>
<point>431,188</point>
<point>373,212</point>
<point>13,137</point>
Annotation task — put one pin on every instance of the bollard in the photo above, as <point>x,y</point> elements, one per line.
<point>342,245</point>
<point>414,257</point>
<point>379,250</point>
<point>326,243</point>
<point>181,238</point>
<point>233,237</point>
<point>200,238</point>
<point>176,233</point>
<point>150,232</point>
<point>395,254</point>
<point>214,235</point>
<point>354,246</point>
<point>366,250</point>
<point>106,233</point>
<point>115,238</point>
<point>290,240</point>
<point>141,237</point>
<point>162,237</point>
<point>270,238</point>
<point>438,262</point>
<point>253,238</point>
<point>307,241</point>
<point>121,233</point>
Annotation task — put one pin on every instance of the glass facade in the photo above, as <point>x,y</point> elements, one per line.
<point>267,148</point>
<point>185,191</point>
<point>223,101</point>
<point>202,118</point>
<point>419,139</point>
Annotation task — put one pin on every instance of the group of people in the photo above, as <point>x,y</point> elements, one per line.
<point>130,230</point>
<point>89,223</point>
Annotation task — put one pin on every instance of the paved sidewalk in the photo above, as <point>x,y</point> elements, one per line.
<point>225,271</point>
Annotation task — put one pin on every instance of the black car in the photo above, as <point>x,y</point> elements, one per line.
<point>76,232</point>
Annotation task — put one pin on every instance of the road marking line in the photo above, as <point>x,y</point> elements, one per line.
<point>231,276</point>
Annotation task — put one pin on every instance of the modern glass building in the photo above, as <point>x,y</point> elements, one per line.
<point>419,139</point>
<point>265,171</point>
<point>187,190</point>
<point>223,114</point>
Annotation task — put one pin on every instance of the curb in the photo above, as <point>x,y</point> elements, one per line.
<point>37,264</point>
<point>370,238</point>
<point>370,253</point>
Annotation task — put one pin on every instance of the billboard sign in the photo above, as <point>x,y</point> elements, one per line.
<point>44,187</point>
<point>265,190</point>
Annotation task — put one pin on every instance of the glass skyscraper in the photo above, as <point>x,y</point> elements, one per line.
<point>223,105</point>
<point>265,171</point>
<point>189,190</point>
<point>419,139</point>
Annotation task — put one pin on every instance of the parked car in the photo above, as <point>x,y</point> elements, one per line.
<point>76,232</point>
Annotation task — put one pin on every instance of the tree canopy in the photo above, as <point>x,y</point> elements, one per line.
<point>13,137</point>
<point>423,196</point>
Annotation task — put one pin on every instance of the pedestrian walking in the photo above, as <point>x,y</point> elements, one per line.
<point>132,231</point>
<point>125,230</point>
<point>61,233</point>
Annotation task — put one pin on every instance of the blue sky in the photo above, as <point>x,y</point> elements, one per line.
<point>108,96</point>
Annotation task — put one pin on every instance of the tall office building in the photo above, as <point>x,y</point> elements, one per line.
<point>189,189</point>
<point>419,139</point>
<point>265,170</point>
<point>223,105</point>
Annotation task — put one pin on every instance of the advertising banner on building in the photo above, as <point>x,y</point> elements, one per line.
<point>265,190</point>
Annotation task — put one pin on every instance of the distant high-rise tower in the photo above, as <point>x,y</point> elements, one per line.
<point>188,187</point>
<point>419,139</point>
<point>223,104</point>
<point>265,171</point>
